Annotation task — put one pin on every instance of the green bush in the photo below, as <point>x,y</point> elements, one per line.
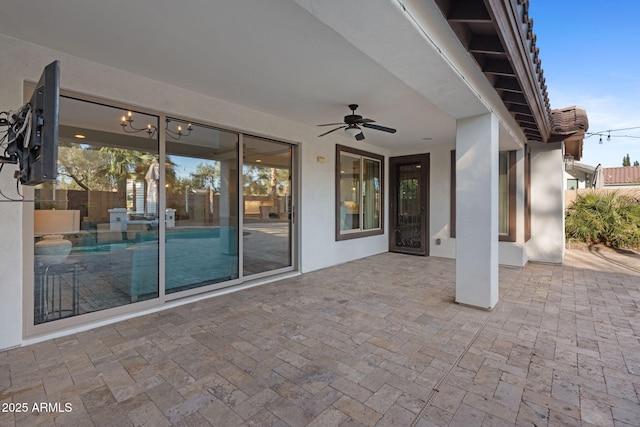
<point>606,218</point>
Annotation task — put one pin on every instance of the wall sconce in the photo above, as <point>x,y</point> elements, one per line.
<point>568,162</point>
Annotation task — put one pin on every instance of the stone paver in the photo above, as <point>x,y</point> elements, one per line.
<point>378,341</point>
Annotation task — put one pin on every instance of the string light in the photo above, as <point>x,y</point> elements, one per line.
<point>609,136</point>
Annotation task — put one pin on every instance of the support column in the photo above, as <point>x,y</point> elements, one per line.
<point>547,204</point>
<point>477,211</point>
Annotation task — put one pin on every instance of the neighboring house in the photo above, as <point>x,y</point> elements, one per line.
<point>190,162</point>
<point>621,177</point>
<point>578,176</point>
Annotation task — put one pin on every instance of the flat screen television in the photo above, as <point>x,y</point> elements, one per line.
<point>33,131</point>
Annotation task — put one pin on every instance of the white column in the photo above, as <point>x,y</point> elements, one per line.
<point>547,204</point>
<point>477,211</point>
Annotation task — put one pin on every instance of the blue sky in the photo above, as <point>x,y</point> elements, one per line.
<point>590,57</point>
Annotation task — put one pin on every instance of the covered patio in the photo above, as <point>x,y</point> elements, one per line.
<point>376,341</point>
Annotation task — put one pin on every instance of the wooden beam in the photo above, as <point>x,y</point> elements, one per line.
<point>518,108</point>
<point>469,11</point>
<point>530,126</point>
<point>499,67</point>
<point>486,44</point>
<point>514,98</point>
<point>508,84</point>
<point>525,119</point>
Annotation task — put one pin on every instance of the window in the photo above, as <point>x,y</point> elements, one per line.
<point>507,196</point>
<point>359,193</point>
<point>572,184</point>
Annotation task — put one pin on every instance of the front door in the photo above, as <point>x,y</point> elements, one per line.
<point>409,204</point>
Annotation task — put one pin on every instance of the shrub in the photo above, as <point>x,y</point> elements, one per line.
<point>606,218</point>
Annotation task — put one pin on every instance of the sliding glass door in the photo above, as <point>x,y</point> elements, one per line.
<point>267,211</point>
<point>148,208</point>
<point>96,227</point>
<point>201,216</point>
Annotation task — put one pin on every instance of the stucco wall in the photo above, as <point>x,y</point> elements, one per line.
<point>22,61</point>
<point>547,204</point>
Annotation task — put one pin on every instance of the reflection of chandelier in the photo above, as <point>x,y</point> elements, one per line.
<point>127,126</point>
<point>177,134</point>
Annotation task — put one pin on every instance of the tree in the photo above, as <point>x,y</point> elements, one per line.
<point>636,163</point>
<point>206,177</point>
<point>626,160</point>
<point>80,167</point>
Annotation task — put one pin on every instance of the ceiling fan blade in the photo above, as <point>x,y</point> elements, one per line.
<point>360,136</point>
<point>332,124</point>
<point>377,127</point>
<point>362,121</point>
<point>332,130</point>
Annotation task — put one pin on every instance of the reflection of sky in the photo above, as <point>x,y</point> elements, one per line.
<point>184,166</point>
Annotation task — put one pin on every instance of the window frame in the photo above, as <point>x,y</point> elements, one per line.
<point>357,233</point>
<point>527,193</point>
<point>510,235</point>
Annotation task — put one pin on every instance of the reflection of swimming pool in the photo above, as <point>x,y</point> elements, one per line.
<point>147,236</point>
<point>110,247</point>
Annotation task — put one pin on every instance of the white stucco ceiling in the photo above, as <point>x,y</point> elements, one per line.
<point>270,55</point>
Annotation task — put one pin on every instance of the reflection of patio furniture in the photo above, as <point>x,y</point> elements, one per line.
<point>119,218</point>
<point>55,221</point>
<point>266,208</point>
<point>51,297</point>
<point>170,217</point>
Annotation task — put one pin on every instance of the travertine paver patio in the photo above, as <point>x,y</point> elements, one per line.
<point>377,341</point>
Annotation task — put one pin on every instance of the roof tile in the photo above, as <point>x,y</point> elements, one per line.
<point>621,175</point>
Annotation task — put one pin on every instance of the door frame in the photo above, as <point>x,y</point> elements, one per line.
<point>394,162</point>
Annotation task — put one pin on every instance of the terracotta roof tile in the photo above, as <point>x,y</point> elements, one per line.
<point>622,175</point>
<point>569,120</point>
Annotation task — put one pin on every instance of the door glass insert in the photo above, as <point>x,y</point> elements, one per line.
<point>201,174</point>
<point>267,204</point>
<point>96,227</point>
<point>409,207</point>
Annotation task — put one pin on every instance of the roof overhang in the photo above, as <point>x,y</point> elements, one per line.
<point>498,34</point>
<point>303,61</point>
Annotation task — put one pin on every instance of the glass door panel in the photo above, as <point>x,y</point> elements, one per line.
<point>201,186</point>
<point>96,234</point>
<point>267,203</point>
<point>409,204</point>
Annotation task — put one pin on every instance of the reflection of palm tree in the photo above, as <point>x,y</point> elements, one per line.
<point>120,162</point>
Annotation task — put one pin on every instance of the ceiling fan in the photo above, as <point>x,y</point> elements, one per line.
<point>352,123</point>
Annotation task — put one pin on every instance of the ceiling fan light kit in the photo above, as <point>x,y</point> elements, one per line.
<point>352,130</point>
<point>351,122</point>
